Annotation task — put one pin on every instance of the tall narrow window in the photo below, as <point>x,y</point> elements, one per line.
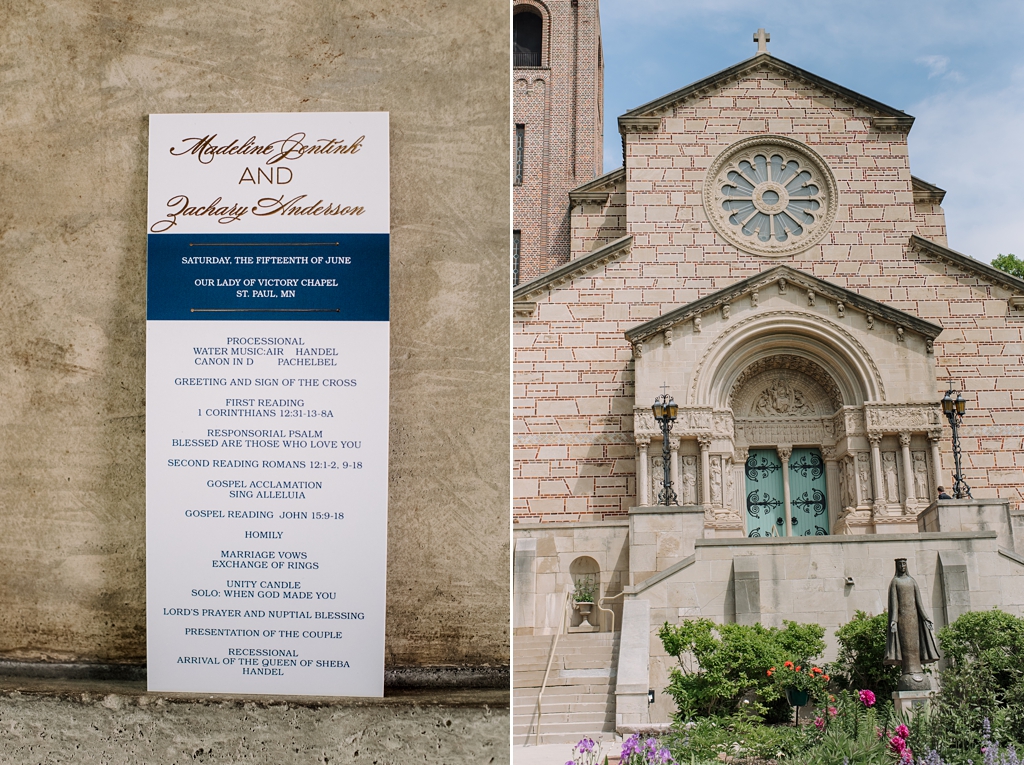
<point>515,258</point>
<point>520,146</point>
<point>527,38</point>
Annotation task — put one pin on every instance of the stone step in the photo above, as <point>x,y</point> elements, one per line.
<point>533,680</point>
<point>564,738</point>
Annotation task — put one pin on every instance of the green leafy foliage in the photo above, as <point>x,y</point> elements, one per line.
<point>861,651</point>
<point>740,736</point>
<point>1010,264</point>
<point>719,664</point>
<point>850,734</point>
<point>584,590</point>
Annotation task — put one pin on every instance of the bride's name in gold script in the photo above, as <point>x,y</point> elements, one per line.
<point>224,212</point>
<point>293,147</point>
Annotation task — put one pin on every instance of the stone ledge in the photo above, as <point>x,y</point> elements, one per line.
<point>395,678</point>
<point>666,509</point>
<point>930,536</point>
<point>115,694</point>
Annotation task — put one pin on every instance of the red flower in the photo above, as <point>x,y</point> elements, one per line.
<point>798,669</point>
<point>816,670</point>
<point>787,664</point>
<point>827,678</point>
<point>769,673</point>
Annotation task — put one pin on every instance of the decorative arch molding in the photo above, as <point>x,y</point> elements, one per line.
<point>540,9</point>
<point>811,337</point>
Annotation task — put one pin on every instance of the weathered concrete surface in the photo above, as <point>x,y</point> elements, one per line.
<point>122,724</point>
<point>77,81</point>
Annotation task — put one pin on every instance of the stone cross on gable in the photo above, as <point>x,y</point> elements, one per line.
<point>762,39</point>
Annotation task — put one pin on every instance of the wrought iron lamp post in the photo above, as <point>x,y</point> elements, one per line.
<point>954,410</point>
<point>665,411</point>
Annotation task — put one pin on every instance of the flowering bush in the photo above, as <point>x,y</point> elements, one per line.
<point>648,752</point>
<point>811,680</point>
<point>584,753</point>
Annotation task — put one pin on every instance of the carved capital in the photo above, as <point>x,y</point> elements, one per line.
<point>785,452</point>
<point>875,439</point>
<point>828,453</point>
<point>934,435</point>
<point>704,439</point>
<point>904,438</point>
<point>739,456</point>
<point>673,443</point>
<point>642,442</point>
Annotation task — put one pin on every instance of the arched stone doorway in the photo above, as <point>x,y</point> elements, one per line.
<point>831,392</point>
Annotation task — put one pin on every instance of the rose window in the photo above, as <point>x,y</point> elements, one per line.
<point>770,195</point>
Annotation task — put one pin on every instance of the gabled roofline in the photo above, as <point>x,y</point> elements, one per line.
<point>596,191</point>
<point>572,269</point>
<point>967,263</point>
<point>799,280</point>
<point>926,193</point>
<point>902,119</point>
<point>646,118</point>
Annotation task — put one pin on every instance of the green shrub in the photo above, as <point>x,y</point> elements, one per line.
<point>718,664</point>
<point>739,736</point>
<point>861,652</point>
<point>984,681</point>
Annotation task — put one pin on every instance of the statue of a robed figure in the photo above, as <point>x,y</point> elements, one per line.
<point>910,640</point>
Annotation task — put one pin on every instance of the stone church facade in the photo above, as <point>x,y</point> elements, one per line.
<point>766,257</point>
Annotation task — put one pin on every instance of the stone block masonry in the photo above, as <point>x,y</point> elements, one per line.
<point>574,369</point>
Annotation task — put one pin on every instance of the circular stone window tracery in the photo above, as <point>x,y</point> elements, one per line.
<point>770,195</point>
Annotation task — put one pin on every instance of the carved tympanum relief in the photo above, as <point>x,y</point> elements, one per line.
<point>770,195</point>
<point>781,399</point>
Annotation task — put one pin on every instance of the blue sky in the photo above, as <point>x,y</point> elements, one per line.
<point>958,67</point>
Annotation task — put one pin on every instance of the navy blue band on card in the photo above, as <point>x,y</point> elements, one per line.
<point>268,277</point>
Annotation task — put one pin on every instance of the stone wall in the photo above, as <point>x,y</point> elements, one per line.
<point>825,581</point>
<point>80,80</point>
<point>574,373</point>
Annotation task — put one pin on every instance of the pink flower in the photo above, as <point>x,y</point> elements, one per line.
<point>907,755</point>
<point>819,723</point>
<point>832,711</point>
<point>867,698</point>
<point>897,745</point>
<point>902,731</point>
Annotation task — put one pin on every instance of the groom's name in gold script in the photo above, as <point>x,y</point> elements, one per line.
<point>225,212</point>
<point>293,147</point>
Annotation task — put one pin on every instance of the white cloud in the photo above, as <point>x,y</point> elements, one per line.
<point>936,64</point>
<point>968,143</point>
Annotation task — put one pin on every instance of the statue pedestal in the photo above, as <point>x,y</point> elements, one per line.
<point>910,702</point>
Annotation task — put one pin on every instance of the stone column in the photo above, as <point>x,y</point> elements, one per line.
<point>933,441</point>
<point>739,466</point>
<point>704,440</point>
<point>643,482</point>
<point>785,452</point>
<point>876,473</point>
<point>835,502</point>
<point>908,474</point>
<point>673,464</point>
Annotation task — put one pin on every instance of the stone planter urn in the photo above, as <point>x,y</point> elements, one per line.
<point>585,607</point>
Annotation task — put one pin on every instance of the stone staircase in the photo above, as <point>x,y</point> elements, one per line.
<point>580,696</point>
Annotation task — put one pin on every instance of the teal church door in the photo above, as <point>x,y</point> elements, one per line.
<point>807,493</point>
<point>766,511</point>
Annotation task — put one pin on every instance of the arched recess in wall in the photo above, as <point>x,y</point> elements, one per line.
<point>585,572</point>
<point>822,342</point>
<point>530,34</point>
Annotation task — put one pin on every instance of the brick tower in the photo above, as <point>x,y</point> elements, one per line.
<point>558,79</point>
